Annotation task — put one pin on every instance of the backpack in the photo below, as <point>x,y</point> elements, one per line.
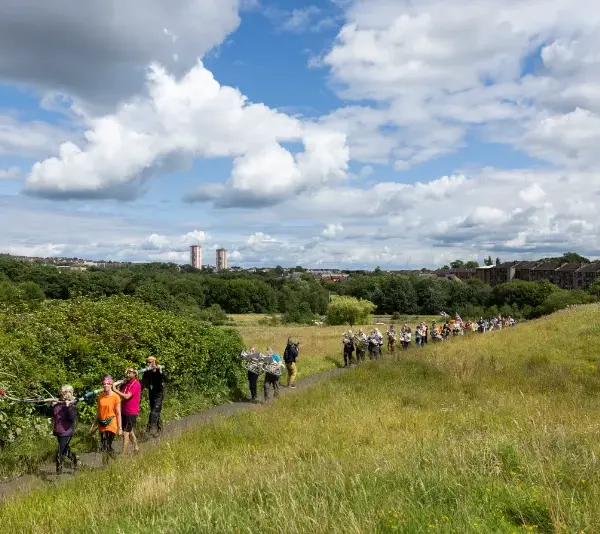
<point>291,352</point>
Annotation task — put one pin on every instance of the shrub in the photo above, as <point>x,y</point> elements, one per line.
<point>561,299</point>
<point>348,310</point>
<point>215,315</point>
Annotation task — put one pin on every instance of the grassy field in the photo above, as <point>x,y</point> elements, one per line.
<point>487,433</point>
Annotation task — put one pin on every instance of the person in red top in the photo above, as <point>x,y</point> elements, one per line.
<point>130,392</point>
<point>108,417</point>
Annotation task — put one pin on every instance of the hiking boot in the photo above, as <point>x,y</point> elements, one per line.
<point>59,468</point>
<point>292,387</point>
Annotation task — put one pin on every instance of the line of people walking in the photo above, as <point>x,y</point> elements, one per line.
<point>117,410</point>
<point>361,343</point>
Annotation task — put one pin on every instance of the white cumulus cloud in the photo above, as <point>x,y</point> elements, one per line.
<point>193,117</point>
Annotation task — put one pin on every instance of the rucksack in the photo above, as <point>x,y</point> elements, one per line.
<point>291,352</point>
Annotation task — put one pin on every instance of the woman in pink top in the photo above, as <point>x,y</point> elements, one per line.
<point>130,392</point>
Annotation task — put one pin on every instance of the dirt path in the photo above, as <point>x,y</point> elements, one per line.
<point>46,474</point>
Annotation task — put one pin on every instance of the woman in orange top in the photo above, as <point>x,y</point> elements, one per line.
<point>108,418</point>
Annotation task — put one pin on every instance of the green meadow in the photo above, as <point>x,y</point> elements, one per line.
<point>486,433</point>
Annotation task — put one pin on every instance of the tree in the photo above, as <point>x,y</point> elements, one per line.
<point>31,292</point>
<point>457,264</point>
<point>488,261</point>
<point>573,257</point>
<point>348,310</point>
<point>594,289</point>
<point>498,262</point>
<point>446,267</point>
<point>471,265</point>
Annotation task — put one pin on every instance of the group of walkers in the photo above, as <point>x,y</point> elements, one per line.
<point>118,405</point>
<point>271,382</point>
<point>117,409</point>
<point>361,344</point>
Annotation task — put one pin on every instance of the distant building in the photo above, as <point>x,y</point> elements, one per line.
<point>196,256</point>
<point>505,272</point>
<point>566,275</point>
<point>523,270</point>
<point>221,261</point>
<point>547,270</point>
<point>463,273</point>
<point>485,273</point>
<point>586,275</point>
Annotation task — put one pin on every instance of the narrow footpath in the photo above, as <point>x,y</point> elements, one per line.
<point>47,475</point>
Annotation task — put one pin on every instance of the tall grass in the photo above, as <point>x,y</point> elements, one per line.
<point>492,433</point>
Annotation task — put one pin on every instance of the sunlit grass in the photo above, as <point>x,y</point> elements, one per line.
<point>489,433</point>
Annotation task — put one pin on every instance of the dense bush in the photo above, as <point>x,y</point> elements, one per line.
<point>348,310</point>
<point>79,340</point>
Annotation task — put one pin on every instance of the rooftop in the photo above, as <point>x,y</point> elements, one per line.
<point>548,266</point>
<point>589,268</point>
<point>569,267</point>
<point>526,264</point>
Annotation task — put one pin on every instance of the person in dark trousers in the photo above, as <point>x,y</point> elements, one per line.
<point>64,415</point>
<point>253,381</point>
<point>348,342</point>
<point>154,381</point>
<point>271,380</point>
<point>108,419</point>
<point>289,357</point>
<point>361,346</point>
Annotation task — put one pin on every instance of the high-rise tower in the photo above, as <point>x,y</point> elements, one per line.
<point>221,261</point>
<point>196,256</point>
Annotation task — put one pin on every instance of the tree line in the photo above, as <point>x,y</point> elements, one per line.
<point>429,295</point>
<point>169,287</point>
<point>300,299</point>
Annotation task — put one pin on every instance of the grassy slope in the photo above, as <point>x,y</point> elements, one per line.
<point>495,433</point>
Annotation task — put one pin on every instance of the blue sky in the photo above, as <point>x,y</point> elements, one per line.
<point>348,134</point>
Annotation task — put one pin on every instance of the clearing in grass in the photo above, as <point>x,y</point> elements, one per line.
<point>489,433</point>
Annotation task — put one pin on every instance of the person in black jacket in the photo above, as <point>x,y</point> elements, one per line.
<point>153,380</point>
<point>289,357</point>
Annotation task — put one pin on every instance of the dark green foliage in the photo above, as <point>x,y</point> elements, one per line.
<point>522,293</point>
<point>168,287</point>
<point>561,299</point>
<point>429,295</point>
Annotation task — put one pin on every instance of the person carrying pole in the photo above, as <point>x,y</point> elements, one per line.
<point>64,416</point>
<point>153,380</point>
<point>130,392</point>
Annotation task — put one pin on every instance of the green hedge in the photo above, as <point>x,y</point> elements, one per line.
<point>78,341</point>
